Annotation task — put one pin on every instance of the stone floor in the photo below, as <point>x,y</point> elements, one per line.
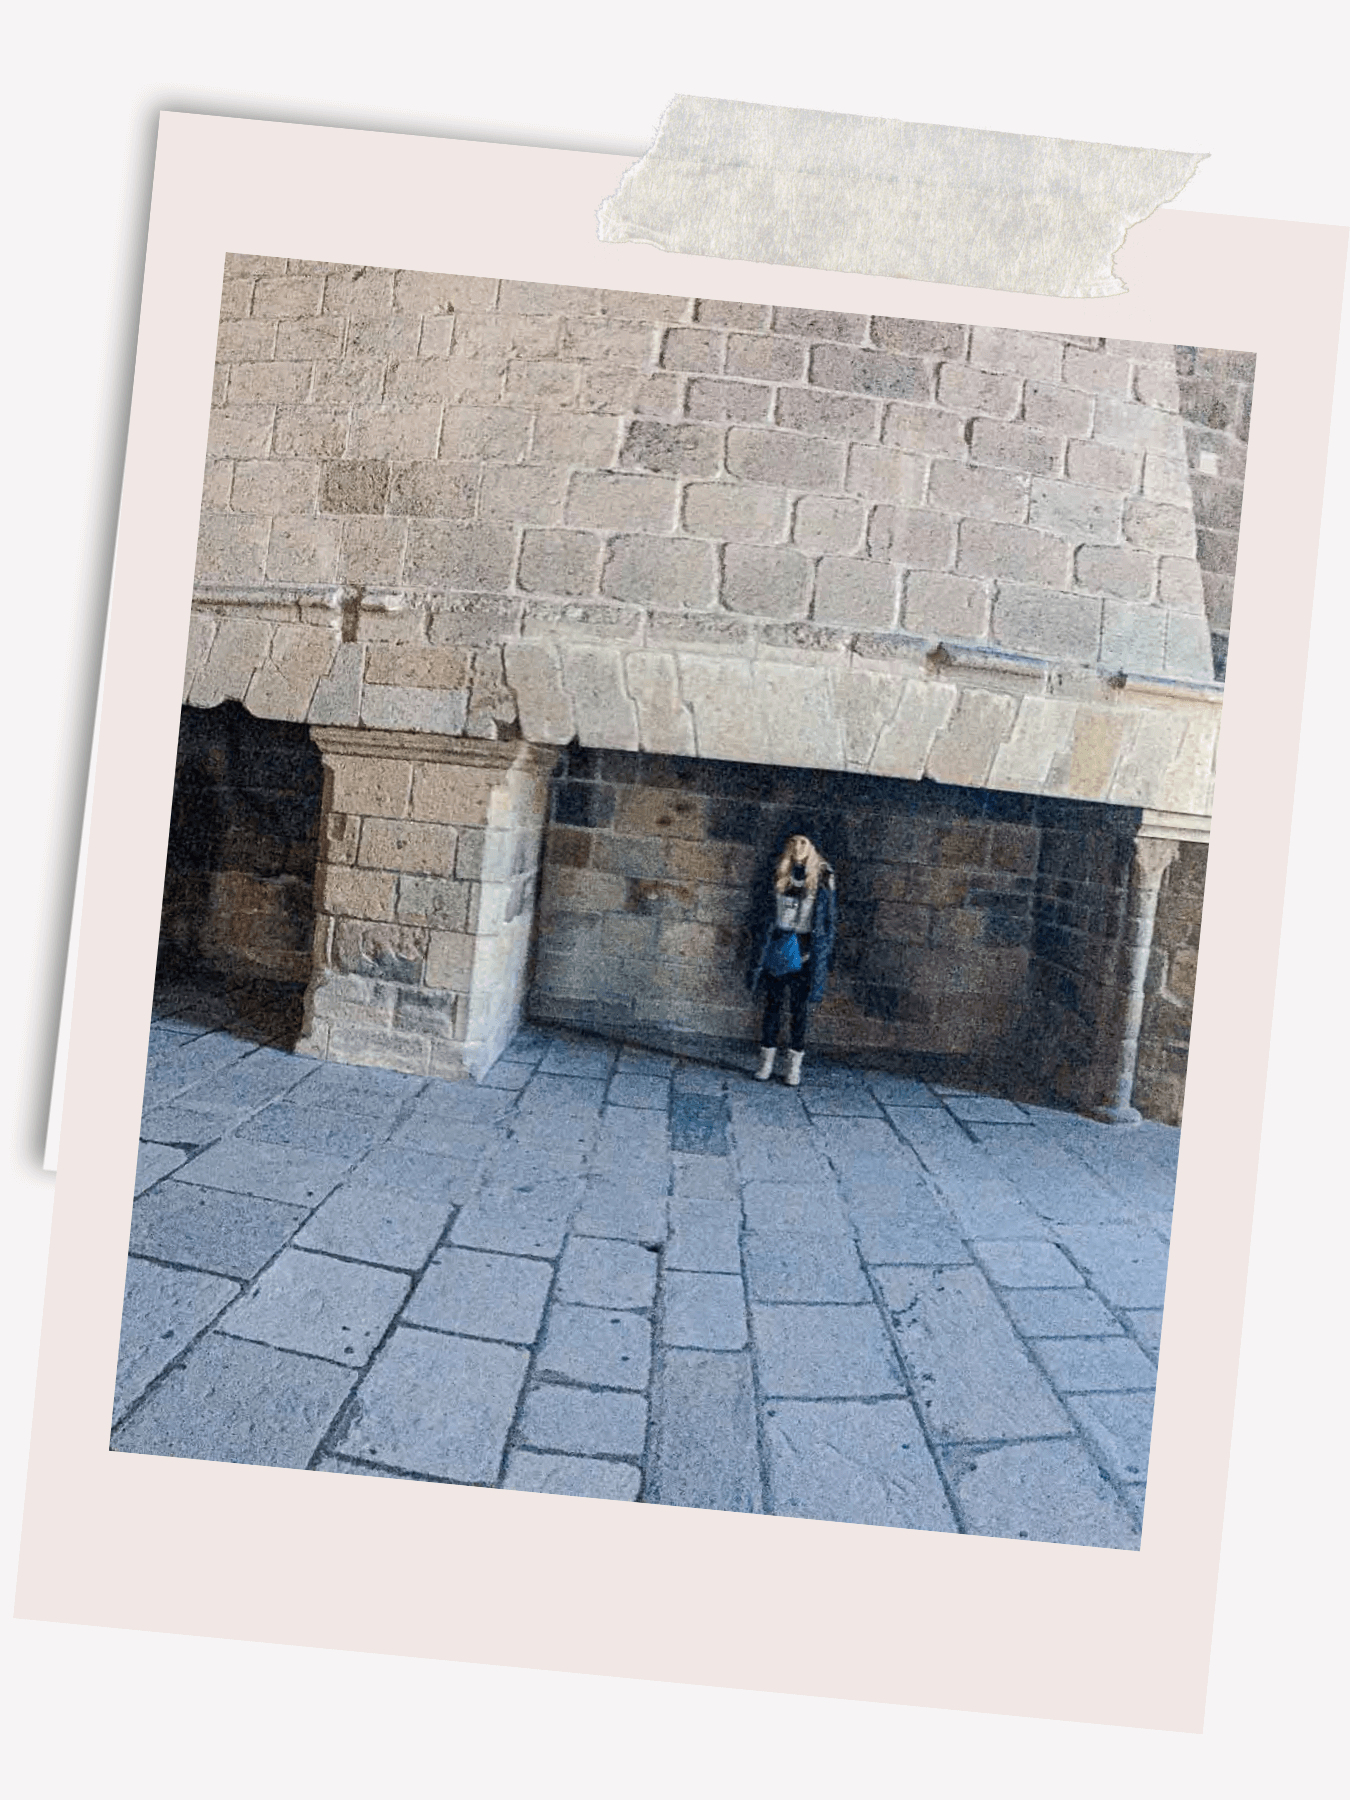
<point>609,1273</point>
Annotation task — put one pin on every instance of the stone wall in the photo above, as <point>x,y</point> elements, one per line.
<point>470,506</point>
<point>1164,1045</point>
<point>395,429</point>
<point>1215,393</point>
<point>243,845</point>
<point>977,930</point>
<point>424,900</point>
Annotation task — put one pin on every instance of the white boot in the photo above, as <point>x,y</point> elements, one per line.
<point>793,1078</point>
<point>766,1062</point>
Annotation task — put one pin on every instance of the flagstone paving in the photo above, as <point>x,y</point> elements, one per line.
<point>609,1273</point>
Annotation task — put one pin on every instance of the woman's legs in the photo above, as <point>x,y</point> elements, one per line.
<point>799,988</point>
<point>775,991</point>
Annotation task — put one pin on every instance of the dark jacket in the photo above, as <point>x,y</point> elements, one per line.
<point>823,925</point>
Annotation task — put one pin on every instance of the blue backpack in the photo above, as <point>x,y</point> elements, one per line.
<point>784,954</point>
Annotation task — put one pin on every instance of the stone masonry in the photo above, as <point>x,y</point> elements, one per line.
<point>614,1274</point>
<point>425,899</point>
<point>1215,392</point>
<point>466,516</point>
<point>982,936</point>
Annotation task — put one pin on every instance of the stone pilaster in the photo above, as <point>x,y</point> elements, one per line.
<point>1155,849</point>
<point>424,898</point>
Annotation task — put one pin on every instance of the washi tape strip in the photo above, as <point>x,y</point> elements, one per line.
<point>988,209</point>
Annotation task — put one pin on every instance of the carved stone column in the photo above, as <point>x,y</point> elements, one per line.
<point>1154,853</point>
<point>424,898</point>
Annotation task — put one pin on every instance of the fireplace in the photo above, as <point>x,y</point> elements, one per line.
<point>581,596</point>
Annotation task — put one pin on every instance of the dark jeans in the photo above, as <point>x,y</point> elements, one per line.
<point>793,989</point>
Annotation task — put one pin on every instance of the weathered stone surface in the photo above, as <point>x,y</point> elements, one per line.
<point>377,1224</point>
<point>319,1306</point>
<point>824,1352</point>
<point>703,1311</point>
<point>581,1422</point>
<point>972,1379</point>
<point>584,1477</point>
<point>437,1405</point>
<point>1049,1491</point>
<point>239,1402</point>
<point>847,1459</point>
<point>162,1311</point>
<point>703,1445</point>
<point>225,1234</point>
<point>601,1348</point>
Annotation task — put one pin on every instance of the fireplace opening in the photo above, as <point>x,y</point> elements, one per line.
<point>979,936</point>
<point>237,923</point>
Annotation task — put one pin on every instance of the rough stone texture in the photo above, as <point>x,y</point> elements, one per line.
<point>976,940</point>
<point>919,1184</point>
<point>1214,396</point>
<point>231,1401</point>
<point>399,464</point>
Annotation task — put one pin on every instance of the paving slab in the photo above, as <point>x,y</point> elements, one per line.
<point>703,1311</point>
<point>598,1347</point>
<point>162,1311</point>
<point>900,1091</point>
<point>824,1352</point>
<point>635,1061</point>
<point>436,1405</point>
<point>839,1102</point>
<point>1095,1365</point>
<point>703,1177</point>
<point>651,1092</point>
<point>865,1143</point>
<point>416,1174</point>
<point>985,1109</point>
<point>348,1088</point>
<point>613,1208</point>
<point>1051,1492</point>
<point>970,1374</point>
<point>1129,1268</point>
<point>511,1076</point>
<point>154,1162</point>
<point>698,1124</point>
<point>374,1225</point>
<point>269,1171</point>
<point>457,1140</point>
<point>225,1234</point>
<point>597,1271</point>
<point>583,1477</point>
<point>232,1401</point>
<point>319,1306</point>
<point>893,1234</point>
<point>989,1209</point>
<point>1014,1264</point>
<point>1060,1312</point>
<point>312,1128</point>
<point>582,1422</point>
<point>524,1222</point>
<point>1119,1427</point>
<point>862,1463</point>
<point>587,1058</point>
<point>803,1266</point>
<point>772,1206</point>
<point>699,1078</point>
<point>476,1293</point>
<point>704,1450</point>
<point>186,1126</point>
<point>1146,1324</point>
<point>704,1235</point>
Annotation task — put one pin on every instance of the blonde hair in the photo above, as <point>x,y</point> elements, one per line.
<point>800,849</point>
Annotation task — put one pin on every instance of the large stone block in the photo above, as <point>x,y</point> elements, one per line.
<point>622,502</point>
<point>1058,626</point>
<point>828,415</point>
<point>781,460</point>
<point>913,536</point>
<point>851,591</point>
<point>772,583</point>
<point>736,510</point>
<point>661,572</point>
<point>728,402</point>
<point>946,605</point>
<point>1013,553</point>
<point>979,493</point>
<point>560,562</point>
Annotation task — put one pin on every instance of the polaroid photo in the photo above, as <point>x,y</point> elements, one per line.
<point>663,818</point>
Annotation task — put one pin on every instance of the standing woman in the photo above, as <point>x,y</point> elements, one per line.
<point>793,944</point>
